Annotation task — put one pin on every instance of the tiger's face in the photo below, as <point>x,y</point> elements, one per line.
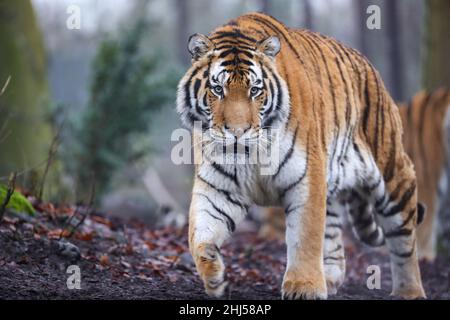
<point>233,90</point>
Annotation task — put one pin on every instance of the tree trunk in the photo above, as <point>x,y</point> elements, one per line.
<point>266,7</point>
<point>395,46</point>
<point>308,15</point>
<point>182,8</point>
<point>361,7</point>
<point>25,131</point>
<point>436,67</point>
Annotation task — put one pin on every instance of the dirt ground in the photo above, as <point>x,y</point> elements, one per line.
<point>124,259</point>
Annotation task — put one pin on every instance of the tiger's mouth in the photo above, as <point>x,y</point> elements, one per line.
<point>220,148</point>
<point>236,144</point>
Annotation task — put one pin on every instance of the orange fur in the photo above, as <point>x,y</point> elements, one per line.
<point>426,142</point>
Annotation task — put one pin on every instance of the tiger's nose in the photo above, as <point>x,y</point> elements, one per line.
<point>237,131</point>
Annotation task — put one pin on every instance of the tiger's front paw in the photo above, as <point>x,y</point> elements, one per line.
<point>304,288</point>
<point>211,269</point>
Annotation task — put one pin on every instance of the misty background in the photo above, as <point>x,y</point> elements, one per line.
<point>104,94</point>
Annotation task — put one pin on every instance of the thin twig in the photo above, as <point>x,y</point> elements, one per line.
<point>5,86</point>
<point>51,154</point>
<point>9,193</point>
<point>3,136</point>
<point>84,214</point>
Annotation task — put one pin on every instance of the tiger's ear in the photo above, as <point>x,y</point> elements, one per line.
<point>270,46</point>
<point>199,45</point>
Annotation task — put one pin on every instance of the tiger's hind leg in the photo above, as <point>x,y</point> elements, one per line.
<point>396,207</point>
<point>333,253</point>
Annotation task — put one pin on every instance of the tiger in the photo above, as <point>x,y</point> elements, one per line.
<point>425,119</point>
<point>329,133</point>
<point>426,123</point>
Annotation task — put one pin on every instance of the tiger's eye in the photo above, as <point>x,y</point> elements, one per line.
<point>254,90</point>
<point>218,90</point>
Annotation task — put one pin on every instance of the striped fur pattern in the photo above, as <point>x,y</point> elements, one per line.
<point>426,123</point>
<point>339,145</point>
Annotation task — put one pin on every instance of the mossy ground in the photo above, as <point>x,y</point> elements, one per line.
<point>17,202</point>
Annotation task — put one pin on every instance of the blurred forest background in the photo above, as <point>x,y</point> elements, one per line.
<point>98,103</point>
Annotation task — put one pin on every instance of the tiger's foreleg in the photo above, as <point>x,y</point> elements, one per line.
<point>212,219</point>
<point>305,206</point>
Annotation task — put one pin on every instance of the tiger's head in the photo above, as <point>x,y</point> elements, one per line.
<point>233,88</point>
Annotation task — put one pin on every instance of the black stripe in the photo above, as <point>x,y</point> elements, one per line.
<point>213,216</point>
<point>215,285</point>
<point>332,214</point>
<point>225,53</point>
<point>408,218</point>
<point>272,94</point>
<point>396,192</point>
<point>235,50</point>
<point>231,225</point>
<point>379,202</point>
<point>389,171</point>
<point>401,232</point>
<point>293,184</point>
<point>197,85</point>
<point>334,225</point>
<point>187,91</point>
<point>232,34</point>
<point>404,255</point>
<point>367,100</point>
<point>331,236</point>
<point>375,185</point>
<point>339,247</point>
<point>288,154</point>
<point>372,237</point>
<point>289,209</point>
<point>222,171</point>
<point>279,92</point>
<point>199,110</point>
<point>358,153</point>
<point>237,45</point>
<point>375,142</point>
<point>403,202</point>
<point>264,73</point>
<point>226,193</point>
<point>334,258</point>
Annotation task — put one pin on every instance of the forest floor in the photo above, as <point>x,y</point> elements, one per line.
<point>125,259</point>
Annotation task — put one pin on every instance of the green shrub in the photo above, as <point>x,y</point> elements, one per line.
<point>127,88</point>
